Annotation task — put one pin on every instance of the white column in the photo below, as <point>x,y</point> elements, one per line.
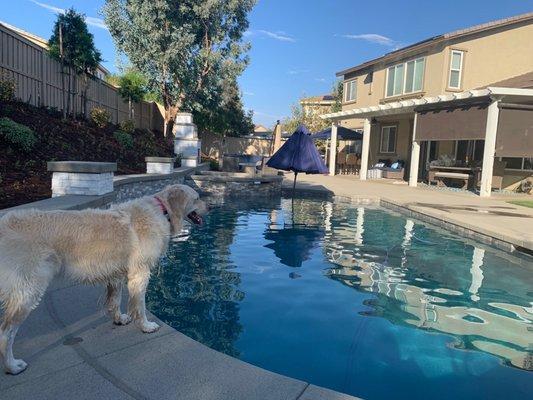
<point>333,149</point>
<point>365,150</point>
<point>415,157</point>
<point>490,147</point>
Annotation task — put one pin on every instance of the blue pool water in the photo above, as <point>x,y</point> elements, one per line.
<point>356,299</point>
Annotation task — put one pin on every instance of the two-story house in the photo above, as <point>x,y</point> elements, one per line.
<point>467,94</point>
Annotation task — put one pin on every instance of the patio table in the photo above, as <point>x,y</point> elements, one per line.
<point>472,171</point>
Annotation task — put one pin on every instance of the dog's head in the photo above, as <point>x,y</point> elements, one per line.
<point>182,203</point>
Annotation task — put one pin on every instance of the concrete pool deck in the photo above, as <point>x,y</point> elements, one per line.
<point>491,220</point>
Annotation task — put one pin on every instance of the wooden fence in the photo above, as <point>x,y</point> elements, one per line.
<point>215,146</point>
<point>38,82</point>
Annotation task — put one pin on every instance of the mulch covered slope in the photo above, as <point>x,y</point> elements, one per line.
<point>23,176</point>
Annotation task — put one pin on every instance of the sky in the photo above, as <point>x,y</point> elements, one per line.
<point>298,45</point>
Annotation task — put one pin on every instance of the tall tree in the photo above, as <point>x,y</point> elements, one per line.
<point>308,116</point>
<point>227,117</point>
<point>132,88</point>
<point>185,48</point>
<point>338,90</point>
<point>72,44</point>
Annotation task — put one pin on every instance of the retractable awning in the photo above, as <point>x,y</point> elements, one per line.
<point>515,131</point>
<point>457,122</point>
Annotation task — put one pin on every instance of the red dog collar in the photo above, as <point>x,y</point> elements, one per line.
<point>161,206</point>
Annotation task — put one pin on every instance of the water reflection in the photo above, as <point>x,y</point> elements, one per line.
<point>419,282</point>
<point>196,290</point>
<point>233,286</point>
<point>294,232</point>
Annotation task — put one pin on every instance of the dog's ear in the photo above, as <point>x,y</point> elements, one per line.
<point>174,200</point>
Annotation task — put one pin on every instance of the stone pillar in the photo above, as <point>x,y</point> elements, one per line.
<point>489,150</point>
<point>333,149</point>
<point>186,142</point>
<point>363,172</point>
<point>159,165</point>
<point>81,177</point>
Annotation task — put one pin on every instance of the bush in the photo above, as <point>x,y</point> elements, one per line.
<point>17,134</point>
<point>128,126</point>
<point>7,88</point>
<point>100,117</point>
<point>125,139</point>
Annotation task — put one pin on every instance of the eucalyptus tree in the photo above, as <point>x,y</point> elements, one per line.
<point>186,49</point>
<point>73,46</point>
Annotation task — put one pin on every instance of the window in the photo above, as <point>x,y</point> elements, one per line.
<point>388,139</point>
<point>456,67</point>
<point>351,90</point>
<point>405,78</point>
<point>469,150</point>
<point>525,163</point>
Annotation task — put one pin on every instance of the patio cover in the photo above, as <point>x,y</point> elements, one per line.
<point>515,131</point>
<point>343,133</point>
<point>463,122</point>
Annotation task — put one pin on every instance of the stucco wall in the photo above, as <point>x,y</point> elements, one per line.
<point>489,57</point>
<point>402,140</point>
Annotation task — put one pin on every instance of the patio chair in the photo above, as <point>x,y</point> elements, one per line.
<point>341,162</point>
<point>351,163</point>
<point>498,172</point>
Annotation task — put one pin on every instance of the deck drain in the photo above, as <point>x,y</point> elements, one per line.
<point>72,341</point>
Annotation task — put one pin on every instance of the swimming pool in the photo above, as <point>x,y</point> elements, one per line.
<point>356,299</point>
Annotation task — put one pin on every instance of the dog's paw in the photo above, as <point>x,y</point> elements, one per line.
<point>123,319</point>
<point>16,367</point>
<point>149,327</point>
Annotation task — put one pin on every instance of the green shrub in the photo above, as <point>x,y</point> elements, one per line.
<point>100,117</point>
<point>124,138</point>
<point>7,88</point>
<point>128,126</point>
<point>17,134</point>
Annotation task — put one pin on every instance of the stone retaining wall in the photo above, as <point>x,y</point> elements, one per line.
<point>126,187</point>
<point>132,187</point>
<point>134,190</point>
<point>227,185</point>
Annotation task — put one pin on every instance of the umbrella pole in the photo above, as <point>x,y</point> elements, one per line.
<point>292,200</point>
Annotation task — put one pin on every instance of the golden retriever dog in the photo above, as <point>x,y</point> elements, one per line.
<point>107,247</point>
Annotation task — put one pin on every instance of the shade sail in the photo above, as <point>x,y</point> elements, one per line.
<point>342,134</point>
<point>467,122</point>
<point>298,154</point>
<point>515,131</point>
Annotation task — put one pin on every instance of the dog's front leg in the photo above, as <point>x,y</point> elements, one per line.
<point>113,300</point>
<point>137,283</point>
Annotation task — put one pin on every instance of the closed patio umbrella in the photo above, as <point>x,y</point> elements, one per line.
<point>298,154</point>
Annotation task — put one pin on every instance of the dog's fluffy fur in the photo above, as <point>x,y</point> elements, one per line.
<point>90,246</point>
